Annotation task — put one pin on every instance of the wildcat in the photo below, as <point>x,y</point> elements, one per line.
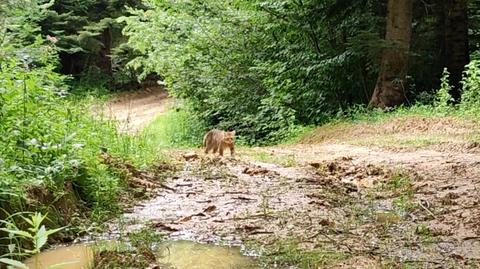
<point>219,140</point>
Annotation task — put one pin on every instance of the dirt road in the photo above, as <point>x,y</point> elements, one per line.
<point>134,110</point>
<point>360,206</point>
<point>370,205</point>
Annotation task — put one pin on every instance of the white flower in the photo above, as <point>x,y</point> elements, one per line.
<point>32,142</point>
<point>77,145</point>
<point>74,163</point>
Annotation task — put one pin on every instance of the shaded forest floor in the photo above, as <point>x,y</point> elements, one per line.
<point>366,195</point>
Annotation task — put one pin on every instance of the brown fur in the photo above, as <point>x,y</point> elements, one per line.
<point>219,140</point>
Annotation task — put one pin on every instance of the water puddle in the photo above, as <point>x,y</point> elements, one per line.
<point>190,255</point>
<point>72,257</point>
<point>176,254</point>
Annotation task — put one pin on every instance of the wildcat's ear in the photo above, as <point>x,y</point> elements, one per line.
<point>233,132</point>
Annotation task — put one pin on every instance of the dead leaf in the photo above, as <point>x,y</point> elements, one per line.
<point>185,219</point>
<point>165,227</point>
<point>209,209</point>
<point>190,156</point>
<point>315,165</point>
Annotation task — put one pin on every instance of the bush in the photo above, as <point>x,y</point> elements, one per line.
<point>178,127</point>
<point>471,88</point>
<point>47,139</point>
<point>48,142</point>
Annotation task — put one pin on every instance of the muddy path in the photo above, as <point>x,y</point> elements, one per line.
<point>134,110</point>
<point>361,206</point>
<point>370,205</point>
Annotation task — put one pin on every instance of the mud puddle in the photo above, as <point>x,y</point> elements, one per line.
<point>189,255</point>
<point>71,257</point>
<point>171,254</point>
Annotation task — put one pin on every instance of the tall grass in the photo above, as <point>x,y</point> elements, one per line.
<point>177,128</point>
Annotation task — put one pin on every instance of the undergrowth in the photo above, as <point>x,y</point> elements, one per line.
<point>441,105</point>
<point>50,143</point>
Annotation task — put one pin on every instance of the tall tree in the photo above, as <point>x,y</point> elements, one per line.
<point>391,83</point>
<point>87,31</point>
<point>456,53</point>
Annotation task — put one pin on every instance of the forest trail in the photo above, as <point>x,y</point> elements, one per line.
<point>134,110</point>
<point>369,205</point>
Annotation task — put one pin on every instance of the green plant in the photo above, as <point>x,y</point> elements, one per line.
<point>288,253</point>
<point>443,99</point>
<point>241,68</point>
<point>137,249</point>
<point>471,88</point>
<point>49,146</point>
<point>399,183</point>
<point>35,234</point>
<point>178,127</point>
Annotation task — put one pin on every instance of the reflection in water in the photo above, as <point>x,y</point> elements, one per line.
<point>190,255</point>
<point>73,257</point>
<point>177,254</point>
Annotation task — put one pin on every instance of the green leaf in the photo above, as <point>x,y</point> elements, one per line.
<point>50,232</point>
<point>13,263</point>
<point>40,238</point>
<point>47,5</point>
<point>27,220</point>
<point>16,232</point>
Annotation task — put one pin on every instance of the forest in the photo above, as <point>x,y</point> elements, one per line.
<point>357,133</point>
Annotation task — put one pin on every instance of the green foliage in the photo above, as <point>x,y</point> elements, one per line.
<point>137,249</point>
<point>178,127</point>
<point>443,98</point>
<point>242,67</point>
<point>442,105</point>
<point>471,88</point>
<point>85,33</point>
<point>35,233</point>
<point>48,141</point>
<point>289,254</point>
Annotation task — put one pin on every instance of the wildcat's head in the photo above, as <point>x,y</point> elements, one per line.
<point>229,137</point>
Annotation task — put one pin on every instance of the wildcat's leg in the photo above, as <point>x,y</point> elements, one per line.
<point>221,151</point>
<point>232,150</point>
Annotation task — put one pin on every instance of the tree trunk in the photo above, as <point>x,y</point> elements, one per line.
<point>105,61</point>
<point>456,53</point>
<point>391,83</point>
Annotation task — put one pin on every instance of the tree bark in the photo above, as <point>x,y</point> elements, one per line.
<point>456,54</point>
<point>105,61</point>
<point>391,83</point>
